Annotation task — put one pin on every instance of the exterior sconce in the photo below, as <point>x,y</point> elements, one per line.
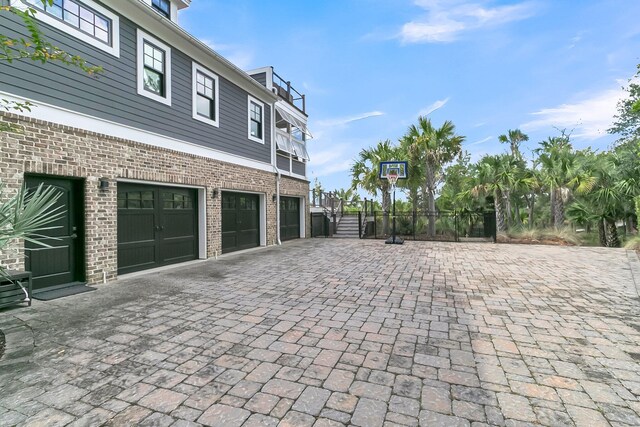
<point>103,184</point>
<point>214,193</point>
<point>275,197</point>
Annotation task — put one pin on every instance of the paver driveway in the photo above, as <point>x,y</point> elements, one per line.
<point>327,332</point>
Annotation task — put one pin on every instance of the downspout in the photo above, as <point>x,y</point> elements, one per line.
<point>275,169</point>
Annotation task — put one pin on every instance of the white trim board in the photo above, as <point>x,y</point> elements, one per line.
<point>141,37</point>
<point>252,100</point>
<point>89,123</point>
<point>195,69</point>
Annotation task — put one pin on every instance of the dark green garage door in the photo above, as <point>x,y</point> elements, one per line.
<point>240,221</point>
<point>156,226</point>
<point>289,218</point>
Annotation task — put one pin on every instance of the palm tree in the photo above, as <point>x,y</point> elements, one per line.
<point>439,147</point>
<point>412,151</point>
<point>364,174</point>
<point>557,162</point>
<point>603,195</point>
<point>496,175</point>
<point>514,138</point>
<point>26,214</point>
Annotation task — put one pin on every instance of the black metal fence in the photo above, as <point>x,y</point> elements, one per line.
<point>437,226</point>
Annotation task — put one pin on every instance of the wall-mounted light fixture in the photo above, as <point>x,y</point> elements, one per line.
<point>214,193</point>
<point>103,184</point>
<point>275,197</point>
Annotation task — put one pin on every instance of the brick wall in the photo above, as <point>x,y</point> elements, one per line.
<point>46,148</point>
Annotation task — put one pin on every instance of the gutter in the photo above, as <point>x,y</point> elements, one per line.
<point>277,171</point>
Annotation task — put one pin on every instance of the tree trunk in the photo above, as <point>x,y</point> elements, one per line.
<point>431,199</point>
<point>558,210</point>
<point>602,236</point>
<point>552,204</point>
<point>517,214</point>
<point>531,201</point>
<point>413,194</point>
<point>507,206</point>
<point>612,234</point>
<point>500,223</point>
<point>629,225</point>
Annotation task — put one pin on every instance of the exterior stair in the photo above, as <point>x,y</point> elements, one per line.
<point>347,227</point>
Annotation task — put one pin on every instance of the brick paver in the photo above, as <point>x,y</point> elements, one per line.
<point>328,333</point>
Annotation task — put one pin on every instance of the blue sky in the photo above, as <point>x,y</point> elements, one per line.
<point>369,68</point>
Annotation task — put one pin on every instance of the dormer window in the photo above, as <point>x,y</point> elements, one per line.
<point>85,20</point>
<point>162,6</point>
<point>79,16</point>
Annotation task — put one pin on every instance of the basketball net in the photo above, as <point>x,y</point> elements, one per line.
<point>392,177</point>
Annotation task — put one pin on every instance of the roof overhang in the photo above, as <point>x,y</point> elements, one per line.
<point>183,3</point>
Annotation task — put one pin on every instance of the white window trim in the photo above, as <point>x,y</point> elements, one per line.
<point>42,16</point>
<point>199,68</point>
<point>142,36</point>
<point>251,99</point>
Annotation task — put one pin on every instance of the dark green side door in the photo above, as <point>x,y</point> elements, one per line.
<point>240,221</point>
<point>156,226</point>
<point>63,261</point>
<point>289,218</point>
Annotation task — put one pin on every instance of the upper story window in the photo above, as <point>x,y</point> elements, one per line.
<point>205,95</point>
<point>256,120</point>
<point>85,20</point>
<point>154,68</point>
<point>162,6</point>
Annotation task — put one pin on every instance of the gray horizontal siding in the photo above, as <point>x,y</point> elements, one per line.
<point>298,167</point>
<point>282,163</point>
<point>260,78</point>
<point>113,94</point>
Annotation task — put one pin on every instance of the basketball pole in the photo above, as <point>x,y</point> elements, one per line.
<point>394,240</point>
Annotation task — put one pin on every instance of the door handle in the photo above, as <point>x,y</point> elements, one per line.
<point>159,228</point>
<point>74,236</point>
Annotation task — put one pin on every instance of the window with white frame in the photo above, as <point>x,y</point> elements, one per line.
<point>256,120</point>
<point>154,68</point>
<point>162,6</point>
<point>85,20</point>
<point>205,95</point>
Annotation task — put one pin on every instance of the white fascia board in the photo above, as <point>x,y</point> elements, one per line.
<point>168,31</point>
<point>65,117</point>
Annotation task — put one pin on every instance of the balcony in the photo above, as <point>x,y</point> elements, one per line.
<point>288,93</point>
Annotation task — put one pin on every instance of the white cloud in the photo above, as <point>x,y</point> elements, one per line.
<point>482,141</point>
<point>589,118</point>
<point>445,20</point>
<point>433,107</point>
<point>328,156</point>
<point>342,121</point>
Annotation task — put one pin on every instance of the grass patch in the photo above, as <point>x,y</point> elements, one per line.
<point>539,236</point>
<point>633,243</point>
